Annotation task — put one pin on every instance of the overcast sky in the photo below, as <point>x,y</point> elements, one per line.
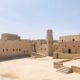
<point>31,18</point>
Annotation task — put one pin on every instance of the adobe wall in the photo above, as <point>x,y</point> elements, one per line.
<point>74,46</point>
<point>55,47</point>
<point>14,48</point>
<point>41,47</point>
<point>66,56</point>
<point>69,38</point>
<point>7,36</point>
<point>75,69</point>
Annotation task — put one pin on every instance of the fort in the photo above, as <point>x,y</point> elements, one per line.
<point>67,47</point>
<point>12,46</point>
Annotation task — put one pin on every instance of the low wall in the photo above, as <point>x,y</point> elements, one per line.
<point>57,65</point>
<point>64,61</point>
<point>66,56</point>
<point>75,69</point>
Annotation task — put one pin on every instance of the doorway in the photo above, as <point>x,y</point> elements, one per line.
<point>69,51</point>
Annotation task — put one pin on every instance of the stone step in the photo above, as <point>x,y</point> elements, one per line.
<point>64,70</point>
<point>37,55</point>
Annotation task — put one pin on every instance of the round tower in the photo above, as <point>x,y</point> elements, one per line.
<point>50,42</point>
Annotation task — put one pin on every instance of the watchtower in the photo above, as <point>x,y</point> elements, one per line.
<point>50,42</point>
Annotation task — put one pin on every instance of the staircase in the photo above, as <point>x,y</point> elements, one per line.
<point>64,70</point>
<point>36,55</point>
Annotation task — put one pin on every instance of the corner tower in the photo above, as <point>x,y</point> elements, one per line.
<point>50,42</point>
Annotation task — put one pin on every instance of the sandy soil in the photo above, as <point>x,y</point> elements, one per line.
<point>33,69</point>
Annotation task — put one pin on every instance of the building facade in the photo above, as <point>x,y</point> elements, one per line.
<point>12,46</point>
<point>69,47</point>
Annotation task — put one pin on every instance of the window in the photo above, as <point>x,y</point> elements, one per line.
<point>62,40</point>
<point>73,39</point>
<point>13,49</point>
<point>16,49</point>
<point>7,50</point>
<point>3,50</point>
<point>19,49</point>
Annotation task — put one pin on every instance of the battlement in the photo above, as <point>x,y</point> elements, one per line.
<point>7,36</point>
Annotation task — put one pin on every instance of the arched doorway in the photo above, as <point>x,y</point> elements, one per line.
<point>69,51</point>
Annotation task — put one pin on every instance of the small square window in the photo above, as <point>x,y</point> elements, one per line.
<point>6,49</point>
<point>73,39</point>
<point>16,49</point>
<point>62,40</point>
<point>19,49</point>
<point>13,49</point>
<point>3,50</point>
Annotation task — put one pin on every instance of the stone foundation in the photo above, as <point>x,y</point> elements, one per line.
<point>58,65</point>
<point>66,56</point>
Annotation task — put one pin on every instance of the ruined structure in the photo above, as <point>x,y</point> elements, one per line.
<point>68,47</point>
<point>12,46</point>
